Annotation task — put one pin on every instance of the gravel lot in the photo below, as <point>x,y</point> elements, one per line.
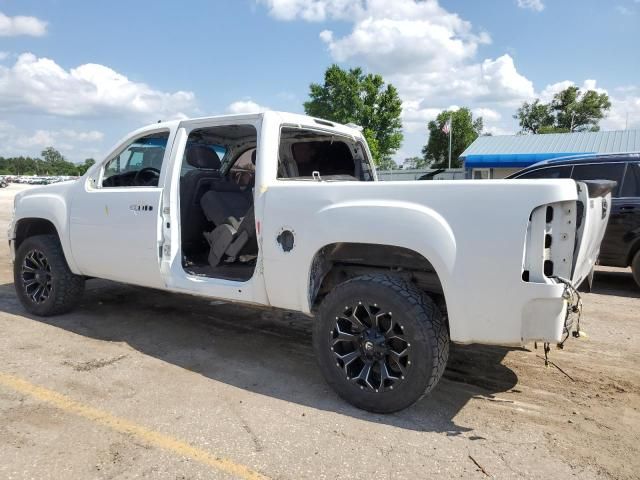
<point>140,383</point>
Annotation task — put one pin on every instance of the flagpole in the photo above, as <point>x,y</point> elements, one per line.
<point>450,132</point>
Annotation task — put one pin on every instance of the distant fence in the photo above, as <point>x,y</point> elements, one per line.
<point>421,174</point>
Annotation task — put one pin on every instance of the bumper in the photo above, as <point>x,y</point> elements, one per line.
<point>12,250</point>
<point>543,320</point>
<point>550,319</point>
<point>11,233</point>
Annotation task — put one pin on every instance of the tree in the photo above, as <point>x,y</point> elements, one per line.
<point>83,167</point>
<point>464,131</point>
<point>350,96</point>
<point>569,111</point>
<point>534,116</point>
<point>56,164</point>
<point>414,162</point>
<point>52,163</point>
<point>580,112</point>
<point>52,156</point>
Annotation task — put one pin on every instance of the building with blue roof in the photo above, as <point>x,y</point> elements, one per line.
<point>501,155</point>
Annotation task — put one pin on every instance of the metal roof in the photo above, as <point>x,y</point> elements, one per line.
<point>523,150</point>
<point>616,141</point>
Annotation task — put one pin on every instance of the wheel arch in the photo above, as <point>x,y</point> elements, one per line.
<point>31,226</point>
<point>26,227</point>
<point>339,262</point>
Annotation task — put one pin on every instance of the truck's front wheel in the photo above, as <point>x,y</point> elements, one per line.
<point>381,343</point>
<point>43,282</point>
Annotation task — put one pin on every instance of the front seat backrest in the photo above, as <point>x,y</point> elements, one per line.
<point>205,169</point>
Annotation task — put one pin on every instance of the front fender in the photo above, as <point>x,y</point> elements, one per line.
<point>50,203</point>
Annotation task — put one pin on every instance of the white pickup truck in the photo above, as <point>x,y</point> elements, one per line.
<point>283,210</point>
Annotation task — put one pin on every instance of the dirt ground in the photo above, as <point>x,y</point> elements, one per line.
<point>140,383</point>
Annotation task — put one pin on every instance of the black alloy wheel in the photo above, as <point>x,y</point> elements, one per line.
<point>381,343</point>
<point>43,281</point>
<point>37,280</point>
<point>370,347</point>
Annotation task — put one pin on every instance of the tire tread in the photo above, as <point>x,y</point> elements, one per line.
<point>431,326</point>
<point>68,287</point>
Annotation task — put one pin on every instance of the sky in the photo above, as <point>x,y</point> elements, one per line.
<point>79,75</point>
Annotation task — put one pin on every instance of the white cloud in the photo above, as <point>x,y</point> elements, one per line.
<point>4,55</point>
<point>18,141</point>
<point>487,114</point>
<point>624,113</point>
<point>245,106</point>
<point>622,10</point>
<point>498,130</point>
<point>535,5</point>
<point>41,85</point>
<point>424,50</point>
<point>405,36</point>
<point>431,56</point>
<point>550,90</point>
<point>313,10</point>
<point>21,25</point>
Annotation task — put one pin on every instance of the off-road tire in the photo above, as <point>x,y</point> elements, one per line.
<point>66,287</point>
<point>423,326</point>
<point>635,267</point>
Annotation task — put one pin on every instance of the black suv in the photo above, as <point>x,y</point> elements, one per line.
<point>621,244</point>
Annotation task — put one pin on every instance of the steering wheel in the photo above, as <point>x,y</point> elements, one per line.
<point>147,176</point>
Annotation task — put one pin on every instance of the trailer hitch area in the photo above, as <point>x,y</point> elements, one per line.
<point>572,316</point>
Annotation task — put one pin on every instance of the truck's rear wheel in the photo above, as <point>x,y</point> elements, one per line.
<point>43,282</point>
<point>381,343</point>
<point>635,267</point>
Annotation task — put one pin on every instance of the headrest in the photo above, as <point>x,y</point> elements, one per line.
<point>201,156</point>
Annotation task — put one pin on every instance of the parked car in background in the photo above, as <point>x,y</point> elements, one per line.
<point>621,244</point>
<point>3,183</point>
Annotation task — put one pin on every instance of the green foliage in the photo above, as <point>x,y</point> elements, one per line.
<point>552,129</point>
<point>464,131</point>
<point>570,111</point>
<point>83,167</point>
<point>534,116</point>
<point>350,96</point>
<point>51,163</point>
<point>414,162</point>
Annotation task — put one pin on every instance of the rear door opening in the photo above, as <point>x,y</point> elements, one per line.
<point>217,178</point>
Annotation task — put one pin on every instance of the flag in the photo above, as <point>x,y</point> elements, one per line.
<point>446,128</point>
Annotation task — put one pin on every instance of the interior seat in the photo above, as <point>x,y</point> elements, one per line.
<point>235,231</point>
<point>193,184</point>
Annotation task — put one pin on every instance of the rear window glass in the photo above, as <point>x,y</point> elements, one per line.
<point>631,185</point>
<point>549,172</point>
<point>600,171</point>
<point>307,154</point>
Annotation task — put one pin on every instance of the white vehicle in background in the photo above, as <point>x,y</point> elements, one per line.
<point>285,211</point>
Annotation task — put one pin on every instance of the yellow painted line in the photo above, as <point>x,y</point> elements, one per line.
<point>122,425</point>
